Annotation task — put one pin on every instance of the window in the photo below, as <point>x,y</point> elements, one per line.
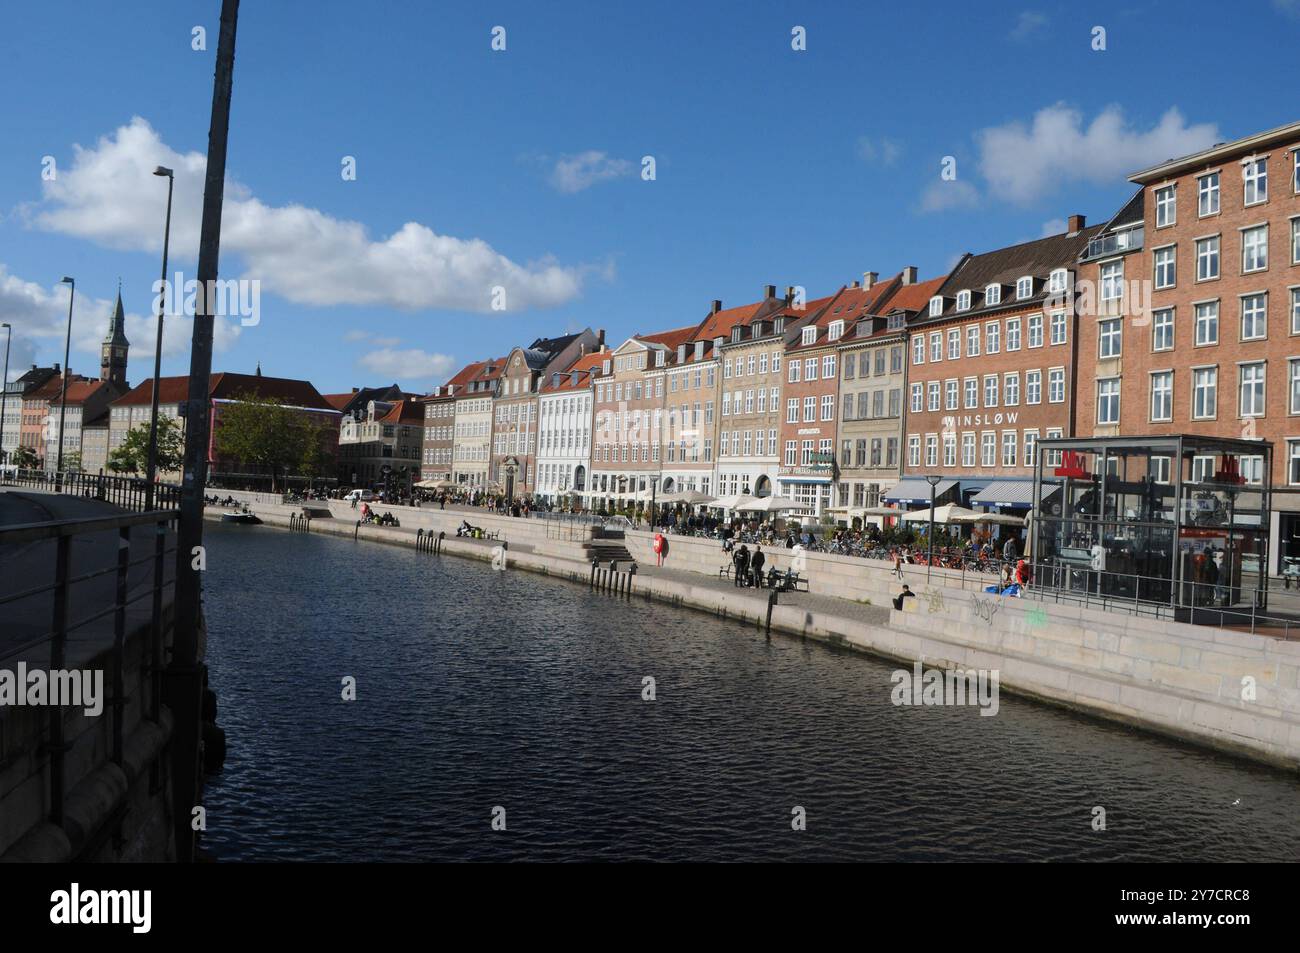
<point>1202,469</point>
<point>1295,310</point>
<point>810,368</point>
<point>1110,338</point>
<point>1058,327</point>
<point>1013,334</point>
<point>1293,461</point>
<point>809,409</point>
<point>1035,330</point>
<point>1205,383</point>
<point>1108,401</point>
<point>1162,395</point>
<point>1056,385</point>
<point>988,449</point>
<point>1112,283</point>
<point>1166,273</point>
<point>1162,330</point>
<point>847,412</point>
<point>790,453</point>
<point>1024,288</point>
<point>1254,249</point>
<point>1293,403</point>
<point>1011,390</point>
<point>992,295</point>
<point>835,331</point>
<point>932,395</point>
<point>1166,214</point>
<point>809,335</point>
<point>1207,258</point>
<point>791,410</point>
<point>828,407</point>
<point>828,366</point>
<point>1207,322</point>
<point>963,300</point>
<point>991,390</point>
<point>936,306</point>
<point>973,341</point>
<point>1010,442</point>
<point>1254,325</point>
<point>794,371</point>
<point>936,346</point>
<point>992,337</point>
<point>1033,387</point>
<point>913,450</point>
<point>1254,180</point>
<point>1058,281</point>
<point>931,450</point>
<point>1251,390</point>
<point>972,385</point>
<point>1207,191</point>
<point>954,344</point>
<point>950,395</point>
<point>1031,448</point>
<point>1295,173</point>
<point>918,349</point>
<point>1295,240</point>
<point>950,450</point>
<point>968,450</point>
<point>918,396</point>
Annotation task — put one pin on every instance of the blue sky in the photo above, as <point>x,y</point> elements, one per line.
<point>521,169</point>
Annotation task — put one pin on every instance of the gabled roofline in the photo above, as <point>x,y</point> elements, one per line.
<point>1220,150</point>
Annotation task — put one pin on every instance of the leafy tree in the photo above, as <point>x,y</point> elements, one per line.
<point>262,431</point>
<point>132,456</point>
<point>24,458</point>
<point>72,463</point>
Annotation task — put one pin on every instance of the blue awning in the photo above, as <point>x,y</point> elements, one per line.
<point>1018,494</point>
<point>916,490</point>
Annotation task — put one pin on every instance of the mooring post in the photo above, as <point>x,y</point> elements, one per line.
<point>356,530</point>
<point>771,601</point>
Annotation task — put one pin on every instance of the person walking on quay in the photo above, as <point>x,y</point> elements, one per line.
<point>756,565</point>
<point>741,565</point>
<point>898,563</point>
<point>1009,551</point>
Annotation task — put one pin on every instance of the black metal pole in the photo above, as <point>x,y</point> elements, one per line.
<point>185,674</point>
<point>63,391</point>
<point>152,470</point>
<point>929,562</point>
<point>4,390</point>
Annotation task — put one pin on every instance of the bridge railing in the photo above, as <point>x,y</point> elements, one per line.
<point>62,624</point>
<point>130,493</point>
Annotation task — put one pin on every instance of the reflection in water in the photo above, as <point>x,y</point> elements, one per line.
<point>478,689</point>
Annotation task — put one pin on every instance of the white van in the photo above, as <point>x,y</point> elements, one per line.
<point>362,496</point>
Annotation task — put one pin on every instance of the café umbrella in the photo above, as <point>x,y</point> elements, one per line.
<point>948,513</point>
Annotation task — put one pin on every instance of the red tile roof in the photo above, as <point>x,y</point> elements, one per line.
<point>227,386</point>
<point>404,412</point>
<point>584,367</point>
<point>338,401</point>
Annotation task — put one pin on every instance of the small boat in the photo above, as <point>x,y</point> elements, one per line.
<point>247,518</point>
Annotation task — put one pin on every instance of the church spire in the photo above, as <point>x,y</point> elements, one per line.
<point>112,353</point>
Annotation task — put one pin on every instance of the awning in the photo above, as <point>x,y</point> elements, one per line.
<point>1013,493</point>
<point>916,491</point>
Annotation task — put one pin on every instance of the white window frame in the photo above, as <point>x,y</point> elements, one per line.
<point>1260,248</point>
<point>1207,186</point>
<point>1209,250</point>
<point>963,300</point>
<point>1108,401</point>
<point>1024,287</point>
<point>1164,266</point>
<point>1167,396</point>
<point>1166,205</point>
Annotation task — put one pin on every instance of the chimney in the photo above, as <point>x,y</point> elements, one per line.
<point>909,275</point>
<point>1075,224</point>
<point>869,279</point>
<point>699,345</point>
<point>855,284</point>
<point>56,367</point>
<point>717,305</point>
<point>600,337</point>
<point>769,291</point>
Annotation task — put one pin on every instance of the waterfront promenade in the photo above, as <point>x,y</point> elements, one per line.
<point>1234,691</point>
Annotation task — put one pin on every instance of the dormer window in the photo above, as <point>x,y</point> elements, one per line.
<point>963,300</point>
<point>936,306</point>
<point>757,331</point>
<point>809,336</point>
<point>659,358</point>
<point>1058,281</point>
<point>779,326</point>
<point>993,294</point>
<point>1024,287</point>
<point>836,330</point>
<point>735,335</point>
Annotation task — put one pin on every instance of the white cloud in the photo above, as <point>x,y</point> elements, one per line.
<point>1023,164</point>
<point>582,171</point>
<point>1027,24</point>
<point>1290,8</point>
<point>39,316</point>
<point>412,364</point>
<point>109,195</point>
<point>883,150</point>
<point>948,194</point>
<point>1054,226</point>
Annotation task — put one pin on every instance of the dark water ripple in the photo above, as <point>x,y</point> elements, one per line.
<point>479,688</point>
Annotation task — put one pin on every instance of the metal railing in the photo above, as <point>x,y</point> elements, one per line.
<point>130,493</point>
<point>62,624</point>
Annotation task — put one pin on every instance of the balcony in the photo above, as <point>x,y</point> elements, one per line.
<point>1114,243</point>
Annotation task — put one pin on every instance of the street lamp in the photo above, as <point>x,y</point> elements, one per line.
<point>152,467</point>
<point>929,562</point>
<point>4,389</point>
<point>63,391</point>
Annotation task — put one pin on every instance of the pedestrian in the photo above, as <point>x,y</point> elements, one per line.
<point>905,594</point>
<point>898,564</point>
<point>756,564</point>
<point>740,562</point>
<point>1009,550</point>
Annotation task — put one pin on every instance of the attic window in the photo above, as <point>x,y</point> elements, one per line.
<point>963,300</point>
<point>993,294</point>
<point>758,330</point>
<point>836,330</point>
<point>1024,287</point>
<point>659,358</point>
<point>936,306</point>
<point>809,336</point>
<point>779,326</point>
<point>735,335</point>
<point>1057,281</point>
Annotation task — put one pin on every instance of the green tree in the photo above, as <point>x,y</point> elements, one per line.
<point>132,455</point>
<point>24,458</point>
<point>263,432</point>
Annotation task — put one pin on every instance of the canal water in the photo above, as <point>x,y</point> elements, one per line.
<point>478,690</point>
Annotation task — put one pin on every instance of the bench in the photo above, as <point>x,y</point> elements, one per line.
<point>493,534</point>
<point>725,571</point>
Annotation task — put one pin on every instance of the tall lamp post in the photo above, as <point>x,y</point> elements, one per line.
<point>4,390</point>
<point>929,562</point>
<point>63,391</point>
<point>151,470</point>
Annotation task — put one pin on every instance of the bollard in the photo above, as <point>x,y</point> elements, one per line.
<point>356,530</point>
<point>771,601</point>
